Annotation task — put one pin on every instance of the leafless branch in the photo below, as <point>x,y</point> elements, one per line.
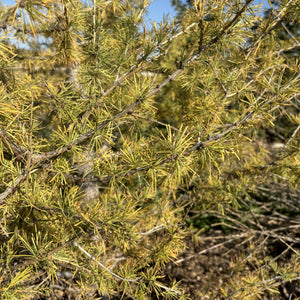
<point>12,188</point>
<point>293,135</point>
<point>75,243</point>
<point>211,248</point>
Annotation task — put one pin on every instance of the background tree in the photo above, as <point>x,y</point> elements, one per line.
<point>164,125</point>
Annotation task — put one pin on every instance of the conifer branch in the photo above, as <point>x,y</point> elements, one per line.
<point>156,228</point>
<point>227,26</point>
<point>274,280</point>
<point>41,158</point>
<point>97,82</point>
<point>171,77</point>
<point>278,20</point>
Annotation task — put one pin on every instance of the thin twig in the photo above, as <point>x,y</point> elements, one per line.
<point>167,288</point>
<point>277,21</point>
<point>290,34</point>
<point>210,248</point>
<point>75,243</point>
<point>293,135</point>
<point>157,228</point>
<point>154,121</point>
<point>10,145</point>
<point>11,189</point>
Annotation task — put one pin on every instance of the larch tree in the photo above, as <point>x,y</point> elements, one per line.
<point>116,134</point>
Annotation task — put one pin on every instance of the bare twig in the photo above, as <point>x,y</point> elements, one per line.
<point>211,248</point>
<point>10,145</point>
<point>154,121</point>
<point>12,188</point>
<point>167,288</point>
<point>293,135</point>
<point>157,228</point>
<point>290,34</point>
<point>75,243</point>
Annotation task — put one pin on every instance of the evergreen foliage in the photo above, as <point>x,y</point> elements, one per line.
<point>115,135</point>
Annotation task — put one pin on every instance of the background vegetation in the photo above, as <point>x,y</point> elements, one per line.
<point>123,142</point>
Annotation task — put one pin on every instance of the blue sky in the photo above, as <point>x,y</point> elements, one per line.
<point>160,7</point>
<point>157,10</point>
